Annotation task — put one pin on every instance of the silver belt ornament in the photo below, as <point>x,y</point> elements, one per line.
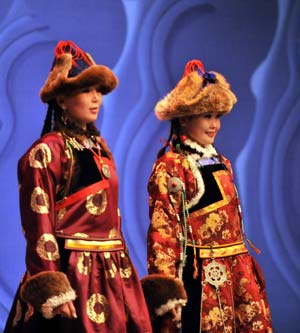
<point>215,274</point>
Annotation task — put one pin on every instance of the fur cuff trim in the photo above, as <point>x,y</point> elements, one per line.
<point>171,304</point>
<point>47,290</point>
<point>55,301</point>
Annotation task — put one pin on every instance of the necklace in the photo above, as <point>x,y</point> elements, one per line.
<point>94,147</point>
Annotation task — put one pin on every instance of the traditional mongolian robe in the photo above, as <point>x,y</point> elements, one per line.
<point>196,234</point>
<point>72,224</point>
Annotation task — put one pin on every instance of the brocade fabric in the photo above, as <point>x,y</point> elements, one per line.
<point>109,295</point>
<point>239,304</point>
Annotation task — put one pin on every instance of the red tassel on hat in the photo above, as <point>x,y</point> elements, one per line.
<point>192,65</point>
<point>70,47</point>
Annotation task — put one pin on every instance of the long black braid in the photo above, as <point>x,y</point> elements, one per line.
<point>174,137</point>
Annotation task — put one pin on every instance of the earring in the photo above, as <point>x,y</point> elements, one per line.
<point>64,118</point>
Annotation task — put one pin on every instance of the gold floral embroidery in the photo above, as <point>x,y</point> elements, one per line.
<point>97,308</point>
<point>161,178</point>
<point>226,234</point>
<point>160,221</point>
<point>96,203</point>
<point>40,201</point>
<point>164,259</point>
<point>246,312</point>
<point>47,247</point>
<point>40,156</point>
<point>204,233</point>
<point>215,221</point>
<point>257,326</point>
<point>241,290</point>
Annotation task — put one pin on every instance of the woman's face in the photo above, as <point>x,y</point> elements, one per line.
<point>202,128</point>
<point>82,107</point>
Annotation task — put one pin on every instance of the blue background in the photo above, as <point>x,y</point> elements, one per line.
<point>254,43</point>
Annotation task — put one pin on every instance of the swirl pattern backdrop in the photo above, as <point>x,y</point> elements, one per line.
<point>147,42</point>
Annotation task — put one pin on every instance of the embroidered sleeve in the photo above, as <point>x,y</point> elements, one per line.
<point>165,208</point>
<point>40,175</point>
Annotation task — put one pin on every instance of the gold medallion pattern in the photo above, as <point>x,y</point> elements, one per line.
<point>84,263</point>
<point>96,203</point>
<point>60,214</point>
<point>39,201</point>
<point>47,247</point>
<point>97,308</point>
<point>125,269</point>
<point>40,156</point>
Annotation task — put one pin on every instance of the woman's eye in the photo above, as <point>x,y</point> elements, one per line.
<point>86,90</point>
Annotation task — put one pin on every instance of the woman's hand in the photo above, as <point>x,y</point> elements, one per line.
<point>66,310</point>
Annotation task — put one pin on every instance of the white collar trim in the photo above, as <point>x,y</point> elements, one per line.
<point>206,152</point>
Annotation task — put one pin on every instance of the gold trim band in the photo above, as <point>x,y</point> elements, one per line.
<point>94,245</point>
<point>220,251</point>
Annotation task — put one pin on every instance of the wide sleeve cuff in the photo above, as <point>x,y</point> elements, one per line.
<point>47,290</point>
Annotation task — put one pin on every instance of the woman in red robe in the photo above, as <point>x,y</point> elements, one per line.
<point>79,276</point>
<point>196,231</point>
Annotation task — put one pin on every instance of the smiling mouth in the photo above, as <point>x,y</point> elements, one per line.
<point>211,134</point>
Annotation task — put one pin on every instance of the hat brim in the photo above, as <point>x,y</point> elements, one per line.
<point>59,83</point>
<point>188,98</point>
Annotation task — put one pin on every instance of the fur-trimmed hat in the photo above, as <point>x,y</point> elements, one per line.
<point>196,93</point>
<point>47,290</point>
<point>162,294</point>
<point>74,69</point>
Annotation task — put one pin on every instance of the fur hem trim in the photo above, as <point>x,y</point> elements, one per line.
<point>55,301</point>
<point>171,304</point>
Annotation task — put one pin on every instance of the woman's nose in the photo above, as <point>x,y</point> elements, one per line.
<point>96,95</point>
<point>213,122</point>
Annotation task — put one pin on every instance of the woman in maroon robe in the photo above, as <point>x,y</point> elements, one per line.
<point>79,277</point>
<point>196,230</point>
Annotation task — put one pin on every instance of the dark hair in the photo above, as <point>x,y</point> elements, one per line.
<point>174,136</point>
<point>54,121</point>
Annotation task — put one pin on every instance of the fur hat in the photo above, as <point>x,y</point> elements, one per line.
<point>47,290</point>
<point>74,69</point>
<point>196,93</point>
<point>162,294</point>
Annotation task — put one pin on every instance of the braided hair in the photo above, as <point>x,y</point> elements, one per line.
<point>174,136</point>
